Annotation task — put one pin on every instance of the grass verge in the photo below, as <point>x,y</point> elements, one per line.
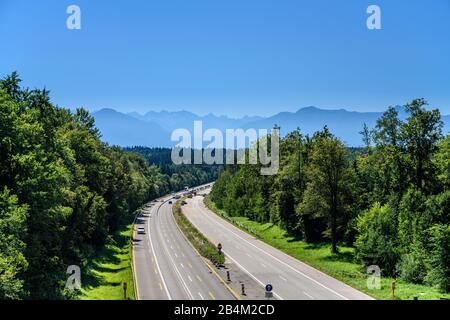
<point>197,239</point>
<point>341,266</point>
<point>110,268</point>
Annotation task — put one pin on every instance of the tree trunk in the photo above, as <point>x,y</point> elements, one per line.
<point>333,230</point>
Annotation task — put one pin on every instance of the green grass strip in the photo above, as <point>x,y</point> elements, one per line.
<point>206,248</point>
<point>110,268</point>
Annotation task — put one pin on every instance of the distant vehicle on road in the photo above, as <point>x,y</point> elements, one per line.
<point>141,230</point>
<point>177,197</point>
<point>170,202</point>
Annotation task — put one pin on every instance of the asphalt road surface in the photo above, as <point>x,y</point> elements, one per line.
<point>291,279</point>
<point>166,265</point>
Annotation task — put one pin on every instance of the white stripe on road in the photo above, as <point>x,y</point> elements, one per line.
<point>176,270</point>
<point>282,262</point>
<point>157,264</point>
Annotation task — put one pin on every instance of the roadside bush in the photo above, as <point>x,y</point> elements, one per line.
<point>439,261</point>
<point>413,219</point>
<point>412,268</point>
<point>376,242</point>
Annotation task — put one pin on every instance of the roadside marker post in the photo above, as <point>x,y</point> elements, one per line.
<point>243,290</point>
<point>393,287</point>
<point>125,291</point>
<point>269,293</point>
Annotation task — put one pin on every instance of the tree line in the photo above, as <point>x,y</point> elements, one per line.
<point>63,191</point>
<point>176,177</point>
<point>390,199</point>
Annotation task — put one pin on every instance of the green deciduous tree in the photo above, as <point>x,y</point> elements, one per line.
<point>376,242</point>
<point>12,234</point>
<point>327,190</point>
<point>421,134</point>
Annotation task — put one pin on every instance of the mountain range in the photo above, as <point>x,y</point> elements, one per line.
<point>153,129</point>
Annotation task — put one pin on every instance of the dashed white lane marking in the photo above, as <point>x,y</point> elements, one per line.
<point>284,279</point>
<point>157,265</point>
<point>190,279</point>
<point>308,295</point>
<point>182,265</point>
<point>201,296</point>
<point>174,266</point>
<point>263,265</point>
<point>223,226</point>
<point>176,255</point>
<point>248,255</point>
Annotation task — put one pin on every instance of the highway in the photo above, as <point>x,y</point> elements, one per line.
<point>291,279</point>
<point>166,266</point>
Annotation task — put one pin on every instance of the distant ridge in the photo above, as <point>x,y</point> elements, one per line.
<point>153,129</point>
<point>123,130</point>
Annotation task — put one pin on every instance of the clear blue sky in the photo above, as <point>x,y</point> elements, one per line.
<point>230,57</point>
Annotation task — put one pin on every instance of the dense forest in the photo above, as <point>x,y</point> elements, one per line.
<point>175,176</point>
<point>63,191</point>
<point>390,200</point>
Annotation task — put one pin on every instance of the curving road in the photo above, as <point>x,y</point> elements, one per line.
<point>291,278</point>
<point>166,266</point>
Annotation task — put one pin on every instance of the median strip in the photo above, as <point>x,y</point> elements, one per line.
<point>200,244</point>
<point>204,247</point>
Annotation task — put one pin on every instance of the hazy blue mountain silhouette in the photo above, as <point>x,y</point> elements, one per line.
<point>123,130</point>
<point>153,129</point>
<point>344,124</point>
<point>184,119</point>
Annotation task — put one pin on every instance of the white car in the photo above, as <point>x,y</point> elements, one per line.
<point>141,230</point>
